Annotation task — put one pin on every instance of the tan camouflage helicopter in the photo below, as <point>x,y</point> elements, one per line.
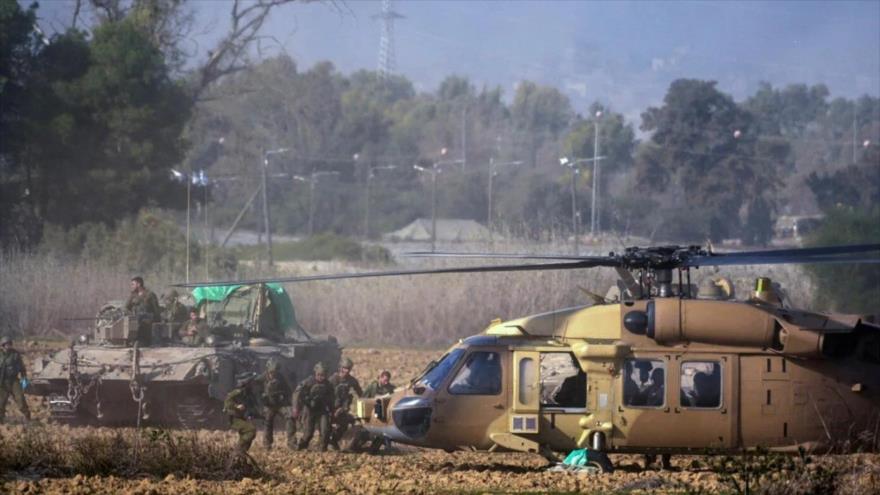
<point>662,371</point>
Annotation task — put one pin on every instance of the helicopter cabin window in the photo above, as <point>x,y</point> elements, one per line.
<point>563,382</point>
<point>644,383</point>
<point>701,384</point>
<point>480,375</point>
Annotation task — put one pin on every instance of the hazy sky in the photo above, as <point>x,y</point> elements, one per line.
<point>622,53</point>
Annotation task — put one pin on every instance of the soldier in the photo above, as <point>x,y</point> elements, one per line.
<point>195,331</point>
<point>144,305</point>
<point>314,396</point>
<point>276,395</point>
<point>239,407</point>
<point>175,313</point>
<point>380,386</point>
<point>343,384</point>
<point>13,379</point>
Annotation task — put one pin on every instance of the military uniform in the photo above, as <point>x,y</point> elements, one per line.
<point>194,332</point>
<point>145,307</point>
<point>276,396</point>
<point>11,372</point>
<point>374,389</point>
<point>342,389</point>
<point>238,406</point>
<point>316,400</point>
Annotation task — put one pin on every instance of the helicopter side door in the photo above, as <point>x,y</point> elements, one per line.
<point>563,399</point>
<point>475,400</point>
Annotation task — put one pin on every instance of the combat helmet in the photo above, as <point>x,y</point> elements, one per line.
<point>319,368</point>
<point>346,363</point>
<point>6,339</point>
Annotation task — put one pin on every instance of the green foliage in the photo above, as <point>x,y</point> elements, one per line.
<point>856,186</point>
<point>321,247</point>
<point>149,242</point>
<point>845,287</point>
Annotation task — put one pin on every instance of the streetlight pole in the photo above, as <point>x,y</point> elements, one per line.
<point>312,180</point>
<point>573,165</point>
<point>188,194</point>
<point>371,174</point>
<point>594,210</point>
<point>266,222</point>
<point>492,174</point>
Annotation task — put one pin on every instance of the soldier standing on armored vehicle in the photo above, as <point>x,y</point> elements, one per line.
<point>144,305</point>
<point>239,407</point>
<point>314,397</point>
<point>276,395</point>
<point>13,379</point>
<point>343,384</point>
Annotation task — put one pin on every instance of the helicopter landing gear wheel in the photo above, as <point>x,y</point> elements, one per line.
<point>600,461</point>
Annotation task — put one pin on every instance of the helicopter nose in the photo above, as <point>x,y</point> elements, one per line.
<point>411,418</point>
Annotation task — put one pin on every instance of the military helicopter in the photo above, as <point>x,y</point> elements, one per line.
<point>661,371</point>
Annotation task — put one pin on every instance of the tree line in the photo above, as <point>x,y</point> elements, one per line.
<point>94,120</point>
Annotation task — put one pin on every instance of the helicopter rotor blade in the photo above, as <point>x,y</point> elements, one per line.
<point>511,256</point>
<point>396,273</point>
<point>816,251</point>
<point>733,259</point>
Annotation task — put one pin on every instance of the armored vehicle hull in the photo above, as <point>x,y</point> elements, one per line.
<point>117,382</point>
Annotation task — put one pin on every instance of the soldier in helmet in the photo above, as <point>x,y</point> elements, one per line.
<point>314,397</point>
<point>13,379</point>
<point>343,385</point>
<point>276,396</point>
<point>144,305</point>
<point>239,407</point>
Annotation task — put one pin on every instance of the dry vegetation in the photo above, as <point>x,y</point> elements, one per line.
<point>37,293</point>
<point>56,459</point>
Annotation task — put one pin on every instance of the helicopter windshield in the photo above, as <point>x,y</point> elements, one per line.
<point>436,374</point>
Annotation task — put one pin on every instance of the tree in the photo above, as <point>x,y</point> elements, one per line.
<point>538,113</point>
<point>704,149</point>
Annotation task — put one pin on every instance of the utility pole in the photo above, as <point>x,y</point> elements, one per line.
<point>266,222</point>
<point>464,113</point>
<point>188,201</point>
<point>204,181</point>
<point>594,210</point>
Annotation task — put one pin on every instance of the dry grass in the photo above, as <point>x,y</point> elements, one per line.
<point>37,293</point>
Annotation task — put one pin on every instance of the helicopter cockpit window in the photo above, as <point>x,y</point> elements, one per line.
<point>701,384</point>
<point>480,375</point>
<point>644,383</point>
<point>563,382</point>
<point>435,375</point>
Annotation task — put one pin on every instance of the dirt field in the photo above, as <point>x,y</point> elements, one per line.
<point>412,470</point>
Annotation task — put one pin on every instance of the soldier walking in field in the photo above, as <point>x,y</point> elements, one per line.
<point>276,396</point>
<point>239,407</point>
<point>144,305</point>
<point>314,398</point>
<point>13,379</point>
<point>343,385</point>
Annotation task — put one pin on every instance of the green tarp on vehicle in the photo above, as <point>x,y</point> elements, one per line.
<point>279,297</point>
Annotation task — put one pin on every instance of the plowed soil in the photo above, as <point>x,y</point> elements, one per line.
<point>413,470</point>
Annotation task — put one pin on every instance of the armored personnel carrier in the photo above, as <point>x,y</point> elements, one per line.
<point>108,378</point>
